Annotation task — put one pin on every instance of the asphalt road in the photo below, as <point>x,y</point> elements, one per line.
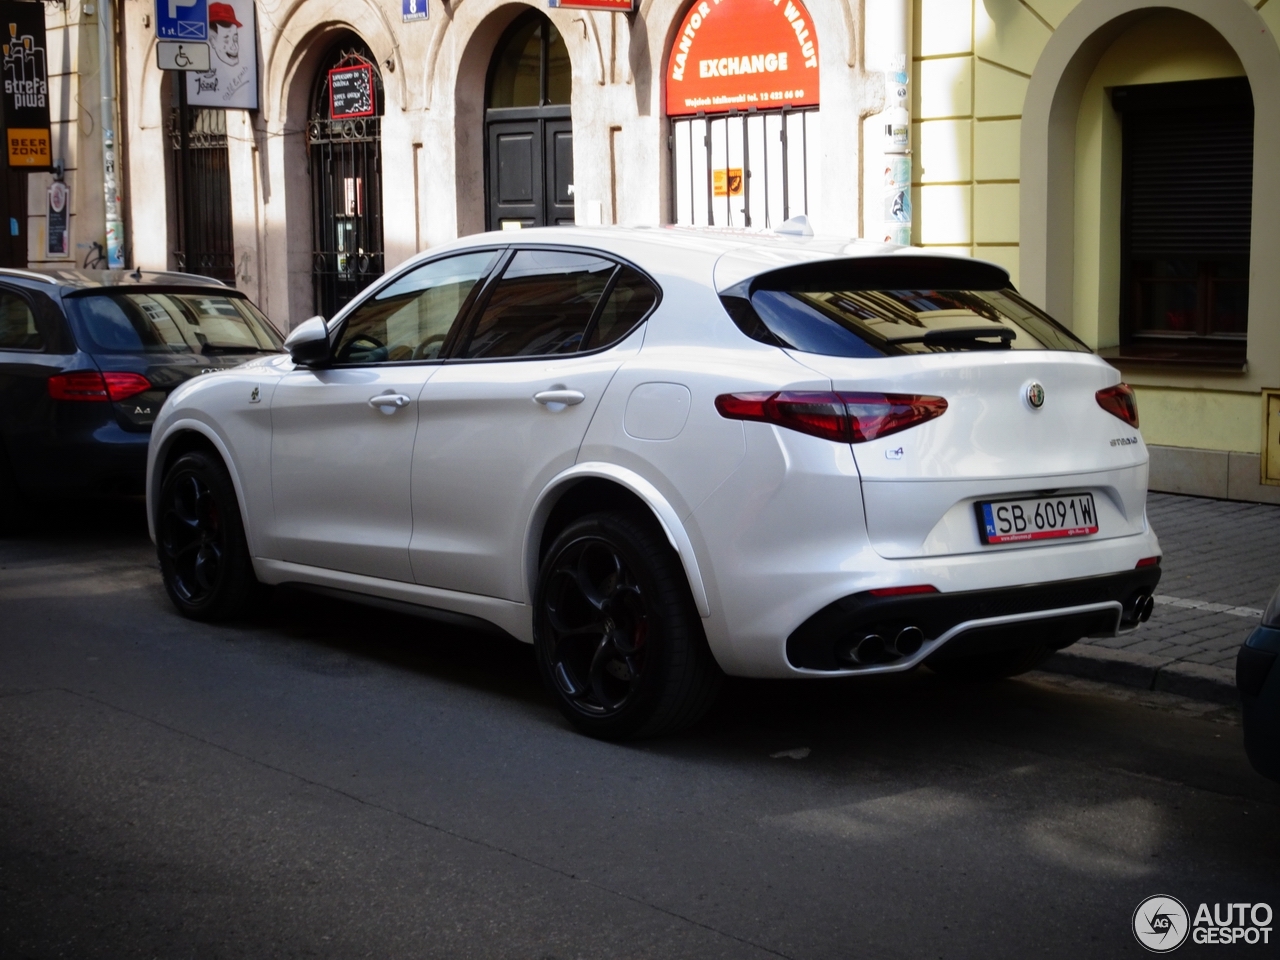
<point>333,781</point>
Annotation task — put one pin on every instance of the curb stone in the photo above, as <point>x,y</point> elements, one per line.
<point>1146,672</point>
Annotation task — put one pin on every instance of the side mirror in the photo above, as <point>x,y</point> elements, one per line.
<point>308,343</point>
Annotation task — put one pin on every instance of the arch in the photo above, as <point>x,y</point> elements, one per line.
<point>468,81</point>
<point>303,34</point>
<point>1048,141</point>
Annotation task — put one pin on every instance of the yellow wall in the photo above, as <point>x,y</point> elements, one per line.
<point>1205,419</point>
<point>973,60</point>
<point>1164,47</point>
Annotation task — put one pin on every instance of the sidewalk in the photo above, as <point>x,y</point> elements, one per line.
<point>1221,565</point>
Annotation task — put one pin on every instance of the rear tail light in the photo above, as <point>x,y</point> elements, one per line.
<point>843,417</point>
<point>1119,401</point>
<point>1147,562</point>
<point>93,386</point>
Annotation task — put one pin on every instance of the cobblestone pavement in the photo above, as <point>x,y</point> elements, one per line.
<point>1221,565</point>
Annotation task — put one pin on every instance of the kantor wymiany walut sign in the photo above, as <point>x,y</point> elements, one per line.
<point>739,54</point>
<point>26,85</point>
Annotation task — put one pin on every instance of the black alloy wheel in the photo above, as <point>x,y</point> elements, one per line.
<point>618,642</point>
<point>200,540</point>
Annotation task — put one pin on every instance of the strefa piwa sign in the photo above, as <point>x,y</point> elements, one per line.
<point>26,86</point>
<point>739,54</point>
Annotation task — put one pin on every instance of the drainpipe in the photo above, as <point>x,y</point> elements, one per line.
<point>889,49</point>
<point>108,117</point>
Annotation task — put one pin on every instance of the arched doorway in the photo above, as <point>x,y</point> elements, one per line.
<point>528,128</point>
<point>344,139</point>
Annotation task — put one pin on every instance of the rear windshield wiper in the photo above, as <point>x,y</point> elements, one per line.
<point>973,337</point>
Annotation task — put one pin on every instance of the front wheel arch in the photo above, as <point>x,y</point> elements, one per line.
<point>181,438</point>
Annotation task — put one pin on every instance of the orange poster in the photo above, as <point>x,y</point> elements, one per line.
<point>739,54</point>
<point>727,183</point>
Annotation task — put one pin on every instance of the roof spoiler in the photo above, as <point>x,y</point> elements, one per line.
<point>896,272</point>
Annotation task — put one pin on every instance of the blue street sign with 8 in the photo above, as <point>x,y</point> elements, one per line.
<point>182,19</point>
<point>413,10</point>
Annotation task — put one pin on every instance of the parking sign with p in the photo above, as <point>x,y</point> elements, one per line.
<point>182,19</point>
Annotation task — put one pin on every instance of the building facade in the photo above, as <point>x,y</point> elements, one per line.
<point>1114,155</point>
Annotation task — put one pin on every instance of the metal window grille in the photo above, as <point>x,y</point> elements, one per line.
<point>202,178</point>
<point>743,169</point>
<point>345,158</point>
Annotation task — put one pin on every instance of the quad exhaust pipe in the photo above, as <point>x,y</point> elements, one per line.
<point>874,648</point>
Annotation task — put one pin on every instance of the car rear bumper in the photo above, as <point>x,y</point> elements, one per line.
<point>963,623</point>
<point>101,459</point>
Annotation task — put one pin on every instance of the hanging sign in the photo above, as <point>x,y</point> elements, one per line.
<point>182,19</point>
<point>26,86</point>
<point>231,80</point>
<point>620,6</point>
<point>411,10</point>
<point>57,221</point>
<point>182,55</point>
<point>739,54</point>
<point>351,92</point>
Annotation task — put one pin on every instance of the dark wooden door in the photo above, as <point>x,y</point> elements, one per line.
<point>515,174</point>
<point>13,216</point>
<point>558,150</point>
<point>530,174</point>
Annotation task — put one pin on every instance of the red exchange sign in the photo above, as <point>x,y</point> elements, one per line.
<point>738,54</point>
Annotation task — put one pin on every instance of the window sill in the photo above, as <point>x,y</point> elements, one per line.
<point>1228,360</point>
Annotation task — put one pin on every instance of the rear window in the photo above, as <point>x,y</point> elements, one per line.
<point>197,323</point>
<point>885,323</point>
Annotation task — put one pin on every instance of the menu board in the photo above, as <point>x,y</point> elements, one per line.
<point>351,92</point>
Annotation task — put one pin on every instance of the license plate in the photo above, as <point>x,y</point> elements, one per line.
<point>1039,518</point>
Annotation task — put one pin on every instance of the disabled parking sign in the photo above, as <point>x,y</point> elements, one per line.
<point>182,19</point>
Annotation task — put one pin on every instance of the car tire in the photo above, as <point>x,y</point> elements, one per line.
<point>200,540</point>
<point>994,666</point>
<point>618,640</point>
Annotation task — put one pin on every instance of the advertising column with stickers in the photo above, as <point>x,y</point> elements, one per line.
<point>26,119</point>
<point>742,94</point>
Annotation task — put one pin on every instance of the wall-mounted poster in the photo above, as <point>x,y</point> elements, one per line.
<point>26,85</point>
<point>57,221</point>
<point>351,92</point>
<point>233,40</point>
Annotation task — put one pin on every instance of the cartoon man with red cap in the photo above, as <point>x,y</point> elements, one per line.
<point>224,33</point>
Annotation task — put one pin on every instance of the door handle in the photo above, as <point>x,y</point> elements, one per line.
<point>567,398</point>
<point>389,402</point>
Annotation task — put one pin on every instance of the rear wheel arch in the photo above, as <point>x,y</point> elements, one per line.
<point>593,488</point>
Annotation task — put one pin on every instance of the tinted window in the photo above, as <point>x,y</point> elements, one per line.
<point>542,305</point>
<point>629,302</point>
<point>18,324</point>
<point>410,318</point>
<point>172,323</point>
<point>871,323</point>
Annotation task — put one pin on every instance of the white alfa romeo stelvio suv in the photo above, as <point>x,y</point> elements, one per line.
<point>664,455</point>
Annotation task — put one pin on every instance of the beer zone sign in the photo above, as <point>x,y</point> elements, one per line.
<point>739,54</point>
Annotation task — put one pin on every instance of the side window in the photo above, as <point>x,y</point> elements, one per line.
<point>410,318</point>
<point>629,302</point>
<point>18,324</point>
<point>541,306</point>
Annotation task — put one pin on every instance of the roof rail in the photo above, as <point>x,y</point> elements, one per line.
<point>28,274</point>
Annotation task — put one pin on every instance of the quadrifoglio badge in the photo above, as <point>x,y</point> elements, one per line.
<point>1162,924</point>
